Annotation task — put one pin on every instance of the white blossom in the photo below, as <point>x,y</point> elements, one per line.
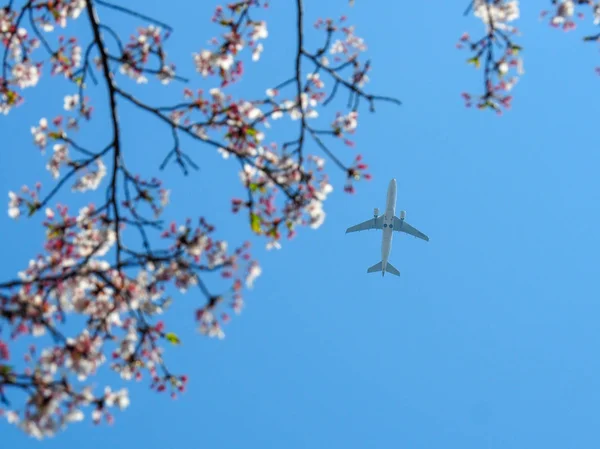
<point>565,10</point>
<point>91,180</point>
<point>166,74</point>
<point>71,101</point>
<point>499,13</point>
<point>257,51</point>
<point>40,137</point>
<point>26,74</point>
<point>259,30</point>
<point>13,205</point>
<point>59,157</point>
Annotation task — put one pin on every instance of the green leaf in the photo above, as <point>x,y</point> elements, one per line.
<point>516,49</point>
<point>5,370</point>
<point>54,135</point>
<point>172,338</point>
<point>32,208</point>
<point>475,61</point>
<point>251,131</point>
<point>253,187</point>
<point>54,231</point>
<point>255,223</point>
<point>11,97</point>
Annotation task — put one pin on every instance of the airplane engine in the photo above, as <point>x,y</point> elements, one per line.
<point>376,212</point>
<point>402,214</point>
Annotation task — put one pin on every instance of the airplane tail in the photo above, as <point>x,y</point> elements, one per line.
<point>388,267</point>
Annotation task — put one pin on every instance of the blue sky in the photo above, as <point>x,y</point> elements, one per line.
<point>487,340</point>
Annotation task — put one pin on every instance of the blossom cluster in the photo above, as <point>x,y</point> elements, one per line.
<point>344,50</point>
<point>136,55</point>
<point>240,32</point>
<point>20,69</point>
<point>74,277</point>
<point>501,69</point>
<point>270,170</point>
<point>564,12</point>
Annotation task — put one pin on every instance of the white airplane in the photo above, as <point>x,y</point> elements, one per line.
<point>388,222</point>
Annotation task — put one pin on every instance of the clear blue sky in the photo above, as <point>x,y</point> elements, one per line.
<point>489,339</point>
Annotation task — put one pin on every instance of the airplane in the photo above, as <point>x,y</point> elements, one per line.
<point>388,222</point>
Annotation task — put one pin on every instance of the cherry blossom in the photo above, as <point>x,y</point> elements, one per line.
<point>497,14</point>
<point>224,60</point>
<point>563,14</point>
<point>501,69</point>
<point>497,53</point>
<point>60,156</point>
<point>71,101</point>
<point>134,59</point>
<point>13,205</point>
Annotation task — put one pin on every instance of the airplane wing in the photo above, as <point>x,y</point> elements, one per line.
<point>373,223</point>
<point>403,226</point>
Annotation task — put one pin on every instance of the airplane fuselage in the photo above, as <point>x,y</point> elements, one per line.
<point>388,225</point>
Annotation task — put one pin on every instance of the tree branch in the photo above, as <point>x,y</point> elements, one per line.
<point>110,85</point>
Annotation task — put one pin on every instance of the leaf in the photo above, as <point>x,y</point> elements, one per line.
<point>475,61</point>
<point>255,223</point>
<point>251,131</point>
<point>253,187</point>
<point>516,49</point>
<point>5,370</point>
<point>32,208</point>
<point>54,231</point>
<point>172,338</point>
<point>54,135</point>
<point>489,104</point>
<point>145,195</point>
<point>11,97</point>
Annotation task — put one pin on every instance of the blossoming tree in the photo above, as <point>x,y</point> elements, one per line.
<point>112,263</point>
<point>108,268</point>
